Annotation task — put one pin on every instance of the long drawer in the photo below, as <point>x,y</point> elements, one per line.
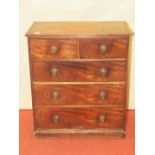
<point>75,118</point>
<point>88,71</point>
<point>74,94</point>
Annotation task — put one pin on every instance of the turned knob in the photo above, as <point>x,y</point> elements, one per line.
<point>102,94</point>
<point>101,118</point>
<point>103,71</point>
<point>54,49</point>
<point>103,48</point>
<point>56,118</point>
<point>55,95</point>
<point>54,71</point>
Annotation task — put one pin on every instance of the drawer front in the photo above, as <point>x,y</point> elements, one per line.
<point>44,49</point>
<point>79,71</point>
<point>83,118</point>
<point>79,94</point>
<point>103,48</point>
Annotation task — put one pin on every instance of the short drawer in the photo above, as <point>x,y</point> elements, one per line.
<point>98,48</point>
<point>79,71</point>
<point>44,49</point>
<point>111,95</point>
<point>78,118</point>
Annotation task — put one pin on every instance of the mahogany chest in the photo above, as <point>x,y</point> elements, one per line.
<point>79,78</point>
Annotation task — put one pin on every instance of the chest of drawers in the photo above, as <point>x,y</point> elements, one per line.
<point>79,78</point>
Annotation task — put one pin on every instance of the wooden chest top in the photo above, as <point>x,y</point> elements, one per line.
<point>86,29</point>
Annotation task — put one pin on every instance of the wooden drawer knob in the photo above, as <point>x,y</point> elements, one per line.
<point>55,95</point>
<point>103,48</point>
<point>54,49</point>
<point>54,71</point>
<point>101,118</point>
<point>102,95</point>
<point>56,118</point>
<point>103,71</point>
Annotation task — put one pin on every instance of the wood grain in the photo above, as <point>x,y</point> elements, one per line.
<point>40,49</point>
<point>79,94</point>
<point>77,118</point>
<point>68,29</point>
<point>116,48</point>
<point>79,71</point>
